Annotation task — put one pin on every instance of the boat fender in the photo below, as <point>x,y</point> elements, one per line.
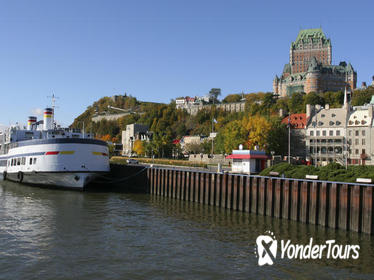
<point>20,176</point>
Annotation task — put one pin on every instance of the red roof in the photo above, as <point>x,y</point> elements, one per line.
<point>298,121</point>
<point>248,156</point>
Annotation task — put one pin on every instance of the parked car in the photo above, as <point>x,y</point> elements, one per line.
<point>132,161</point>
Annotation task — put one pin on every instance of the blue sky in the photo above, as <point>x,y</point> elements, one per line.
<point>158,50</point>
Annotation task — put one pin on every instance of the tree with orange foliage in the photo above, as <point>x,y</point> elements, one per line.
<point>105,138</point>
<point>139,147</point>
<point>258,129</point>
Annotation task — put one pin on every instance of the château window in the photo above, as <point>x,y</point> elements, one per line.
<point>338,133</point>
<point>331,133</point>
<point>356,141</point>
<point>363,133</point>
<point>357,133</point>
<point>324,132</point>
<point>311,133</point>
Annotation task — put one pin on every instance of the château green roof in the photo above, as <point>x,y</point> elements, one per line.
<point>310,34</point>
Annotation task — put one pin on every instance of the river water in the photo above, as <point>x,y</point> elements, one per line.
<point>60,234</point>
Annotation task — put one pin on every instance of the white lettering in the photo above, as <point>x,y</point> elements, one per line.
<point>355,249</point>
<point>329,242</point>
<point>284,247</point>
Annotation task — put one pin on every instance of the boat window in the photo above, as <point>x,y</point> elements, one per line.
<point>34,160</point>
<point>30,161</point>
<point>18,161</point>
<point>23,161</point>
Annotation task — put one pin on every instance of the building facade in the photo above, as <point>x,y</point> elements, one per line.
<point>325,134</point>
<point>132,133</point>
<point>344,135</point>
<point>310,69</point>
<point>297,124</point>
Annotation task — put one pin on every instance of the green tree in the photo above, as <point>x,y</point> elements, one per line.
<point>231,98</point>
<point>296,103</point>
<point>313,98</point>
<point>234,134</point>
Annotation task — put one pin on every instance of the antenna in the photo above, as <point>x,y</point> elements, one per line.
<point>53,98</point>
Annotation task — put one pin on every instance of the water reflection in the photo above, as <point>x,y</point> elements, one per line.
<point>67,234</point>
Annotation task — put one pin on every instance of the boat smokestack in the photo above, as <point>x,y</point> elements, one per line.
<point>48,119</point>
<point>31,122</point>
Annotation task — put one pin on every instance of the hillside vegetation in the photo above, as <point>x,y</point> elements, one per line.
<point>259,125</point>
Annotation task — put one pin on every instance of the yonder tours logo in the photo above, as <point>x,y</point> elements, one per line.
<point>267,246</point>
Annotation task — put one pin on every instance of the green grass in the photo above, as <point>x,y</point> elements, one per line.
<point>330,172</point>
<point>176,162</point>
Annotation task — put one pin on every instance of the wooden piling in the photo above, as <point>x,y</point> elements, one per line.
<point>336,205</point>
<point>235,192</point>
<point>254,195</point>
<point>197,186</point>
<point>278,198</point>
<point>343,221</point>
<point>304,202</point>
<point>295,200</point>
<point>224,190</point>
<point>170,189</point>
<point>270,197</point>
<point>241,198</point>
<point>207,188</point>
<point>313,205</point>
<point>212,189</point>
<point>286,198</point>
<point>333,204</point>
<point>367,210</point>
<point>355,211</point>
<point>229,192</point>
<point>323,204</point>
<point>174,190</point>
<point>217,189</point>
<point>247,193</point>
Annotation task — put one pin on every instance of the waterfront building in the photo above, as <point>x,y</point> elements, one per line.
<point>132,133</point>
<point>248,161</point>
<point>325,134</point>
<point>344,135</point>
<point>310,69</point>
<point>360,135</point>
<point>297,124</point>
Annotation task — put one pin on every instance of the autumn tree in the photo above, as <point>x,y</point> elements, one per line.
<point>139,147</point>
<point>257,128</point>
<point>234,134</point>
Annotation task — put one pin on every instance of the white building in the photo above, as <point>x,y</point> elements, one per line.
<point>248,161</point>
<point>132,133</point>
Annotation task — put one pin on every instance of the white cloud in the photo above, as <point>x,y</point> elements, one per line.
<point>37,112</point>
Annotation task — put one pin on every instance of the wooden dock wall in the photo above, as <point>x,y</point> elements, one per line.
<point>331,204</point>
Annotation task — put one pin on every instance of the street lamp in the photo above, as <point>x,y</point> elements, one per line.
<point>272,157</point>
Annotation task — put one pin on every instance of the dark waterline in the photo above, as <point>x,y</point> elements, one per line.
<point>58,234</point>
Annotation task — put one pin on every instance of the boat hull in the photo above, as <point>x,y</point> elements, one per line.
<point>71,180</point>
<point>66,163</point>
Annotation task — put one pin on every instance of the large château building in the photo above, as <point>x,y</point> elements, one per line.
<point>310,69</point>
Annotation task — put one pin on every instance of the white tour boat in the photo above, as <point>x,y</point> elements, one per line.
<point>45,154</point>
